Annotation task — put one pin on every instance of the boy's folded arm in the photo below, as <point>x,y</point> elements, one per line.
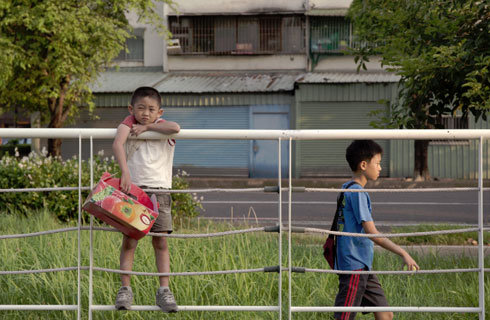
<point>165,127</point>
<point>370,228</point>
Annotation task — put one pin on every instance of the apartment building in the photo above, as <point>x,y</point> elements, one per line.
<point>254,65</point>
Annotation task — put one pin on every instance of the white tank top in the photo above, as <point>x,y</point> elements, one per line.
<point>150,161</point>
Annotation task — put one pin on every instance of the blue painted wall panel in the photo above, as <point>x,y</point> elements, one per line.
<point>264,158</point>
<point>211,153</point>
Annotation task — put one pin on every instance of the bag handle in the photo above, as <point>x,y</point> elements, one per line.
<point>340,199</point>
<point>113,176</point>
<point>108,177</point>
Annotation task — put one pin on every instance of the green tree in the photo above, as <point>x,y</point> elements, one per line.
<point>50,51</point>
<point>440,48</point>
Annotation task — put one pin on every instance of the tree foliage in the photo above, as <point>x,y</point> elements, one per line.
<point>50,51</point>
<point>440,48</point>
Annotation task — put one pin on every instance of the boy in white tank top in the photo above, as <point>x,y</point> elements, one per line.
<point>148,164</point>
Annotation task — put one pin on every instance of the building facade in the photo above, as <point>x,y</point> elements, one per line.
<point>259,65</point>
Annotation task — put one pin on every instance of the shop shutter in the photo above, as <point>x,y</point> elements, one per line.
<point>211,157</point>
<point>327,157</point>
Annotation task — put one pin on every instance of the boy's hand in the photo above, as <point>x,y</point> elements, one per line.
<point>125,183</point>
<point>138,129</point>
<point>410,263</point>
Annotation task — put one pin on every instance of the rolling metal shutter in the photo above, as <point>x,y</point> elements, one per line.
<point>448,160</point>
<point>327,158</point>
<point>205,157</point>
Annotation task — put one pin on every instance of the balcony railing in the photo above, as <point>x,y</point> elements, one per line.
<point>237,35</point>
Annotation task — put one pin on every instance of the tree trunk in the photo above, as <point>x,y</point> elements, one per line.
<point>58,116</point>
<point>54,147</point>
<point>421,166</point>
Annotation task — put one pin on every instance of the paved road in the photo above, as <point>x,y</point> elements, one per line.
<point>317,209</point>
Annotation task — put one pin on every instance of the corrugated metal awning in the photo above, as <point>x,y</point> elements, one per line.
<point>123,81</point>
<point>221,83</point>
<point>127,81</point>
<point>348,77</point>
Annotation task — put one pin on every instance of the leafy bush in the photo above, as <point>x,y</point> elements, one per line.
<point>13,147</point>
<point>184,204</point>
<point>42,171</point>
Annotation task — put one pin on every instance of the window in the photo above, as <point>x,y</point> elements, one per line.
<point>270,34</point>
<point>330,34</point>
<point>451,122</point>
<point>238,35</point>
<point>134,46</point>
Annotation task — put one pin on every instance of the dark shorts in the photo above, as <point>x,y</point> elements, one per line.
<point>358,290</point>
<point>164,220</point>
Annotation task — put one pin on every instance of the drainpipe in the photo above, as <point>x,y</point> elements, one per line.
<point>307,35</point>
<point>165,23</point>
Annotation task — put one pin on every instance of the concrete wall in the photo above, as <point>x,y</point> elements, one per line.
<point>236,6</point>
<point>260,62</point>
<point>153,42</point>
<point>346,63</point>
<point>253,6</point>
<point>326,4</point>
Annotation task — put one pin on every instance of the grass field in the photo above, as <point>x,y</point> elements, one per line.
<point>254,250</point>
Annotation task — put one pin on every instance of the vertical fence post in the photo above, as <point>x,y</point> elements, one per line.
<point>91,257</point>
<point>481,262</point>
<point>79,291</point>
<point>290,193</point>
<point>279,178</point>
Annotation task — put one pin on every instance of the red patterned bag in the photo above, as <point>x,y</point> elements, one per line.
<point>133,214</point>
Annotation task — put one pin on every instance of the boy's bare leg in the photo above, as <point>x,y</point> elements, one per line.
<point>126,258</point>
<point>162,258</point>
<point>383,315</point>
<point>164,297</point>
<point>124,298</point>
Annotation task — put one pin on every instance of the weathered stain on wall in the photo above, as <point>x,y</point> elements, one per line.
<point>237,7</point>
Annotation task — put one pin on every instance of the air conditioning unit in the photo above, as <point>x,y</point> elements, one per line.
<point>173,46</point>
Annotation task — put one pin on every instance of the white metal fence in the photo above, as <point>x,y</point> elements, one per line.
<point>279,135</point>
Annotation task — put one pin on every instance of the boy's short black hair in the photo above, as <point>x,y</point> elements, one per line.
<point>143,92</point>
<point>361,150</point>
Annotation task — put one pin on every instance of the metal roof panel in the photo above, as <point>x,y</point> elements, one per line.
<point>230,82</point>
<point>347,77</point>
<point>122,81</point>
<point>127,82</point>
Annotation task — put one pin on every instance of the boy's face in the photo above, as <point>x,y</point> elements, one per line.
<point>371,168</point>
<point>146,110</point>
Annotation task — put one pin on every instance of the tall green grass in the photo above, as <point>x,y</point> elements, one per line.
<point>244,251</point>
<point>440,239</point>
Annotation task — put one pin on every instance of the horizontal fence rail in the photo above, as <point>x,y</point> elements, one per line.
<point>194,308</point>
<point>200,134</point>
<point>279,135</point>
<point>250,230</point>
<point>265,189</point>
<point>384,309</point>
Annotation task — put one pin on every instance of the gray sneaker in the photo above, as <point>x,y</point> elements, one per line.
<point>166,301</point>
<point>124,298</point>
